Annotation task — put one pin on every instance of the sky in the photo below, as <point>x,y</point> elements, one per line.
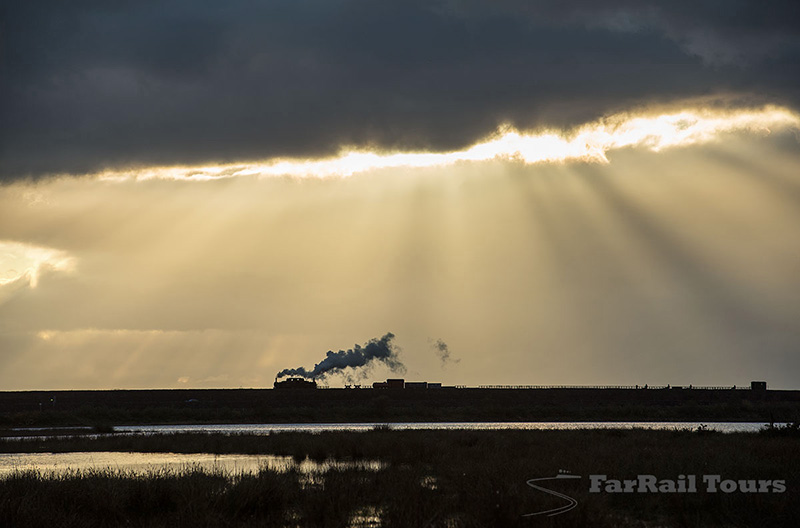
<point>204,194</point>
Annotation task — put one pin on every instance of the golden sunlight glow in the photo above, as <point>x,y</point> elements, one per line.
<point>24,262</point>
<point>588,143</point>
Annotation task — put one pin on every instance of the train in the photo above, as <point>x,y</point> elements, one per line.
<point>295,383</point>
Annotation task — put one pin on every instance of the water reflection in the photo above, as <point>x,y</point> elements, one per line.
<point>724,427</point>
<point>144,463</point>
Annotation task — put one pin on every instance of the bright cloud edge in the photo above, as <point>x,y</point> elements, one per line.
<point>590,142</point>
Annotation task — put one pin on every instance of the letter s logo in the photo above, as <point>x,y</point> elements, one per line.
<point>571,503</point>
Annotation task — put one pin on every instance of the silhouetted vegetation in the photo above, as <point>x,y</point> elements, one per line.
<point>431,478</point>
<point>787,429</point>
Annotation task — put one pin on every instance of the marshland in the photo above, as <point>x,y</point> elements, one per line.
<point>468,478</point>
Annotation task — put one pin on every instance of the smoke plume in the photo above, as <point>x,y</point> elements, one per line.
<point>376,350</point>
<point>442,350</point>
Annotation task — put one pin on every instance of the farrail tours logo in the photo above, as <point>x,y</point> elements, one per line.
<point>652,484</point>
<point>683,484</point>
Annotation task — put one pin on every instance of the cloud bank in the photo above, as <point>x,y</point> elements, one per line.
<point>86,87</point>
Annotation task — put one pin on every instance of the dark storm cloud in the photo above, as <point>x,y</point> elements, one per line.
<point>86,85</point>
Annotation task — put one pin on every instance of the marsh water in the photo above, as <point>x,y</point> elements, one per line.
<point>724,427</point>
<point>144,463</point>
<point>53,464</point>
<point>266,429</point>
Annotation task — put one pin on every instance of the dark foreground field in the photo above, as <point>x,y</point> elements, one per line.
<point>431,478</point>
<point>90,408</point>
